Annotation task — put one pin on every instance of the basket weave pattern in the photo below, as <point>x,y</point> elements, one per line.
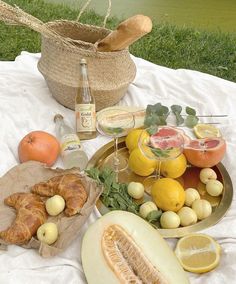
<point>110,73</point>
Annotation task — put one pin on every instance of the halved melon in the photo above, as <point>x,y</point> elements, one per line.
<point>121,247</point>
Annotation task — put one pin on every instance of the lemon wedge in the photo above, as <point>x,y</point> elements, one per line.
<point>198,253</point>
<point>206,131</point>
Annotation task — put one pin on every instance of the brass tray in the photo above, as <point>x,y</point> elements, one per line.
<point>220,205</point>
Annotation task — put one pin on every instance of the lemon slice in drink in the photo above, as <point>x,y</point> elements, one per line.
<point>206,131</point>
<point>198,253</point>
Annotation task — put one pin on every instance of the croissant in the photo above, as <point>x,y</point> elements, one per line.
<point>69,187</point>
<point>30,215</point>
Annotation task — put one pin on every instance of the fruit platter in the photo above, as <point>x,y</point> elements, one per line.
<point>189,192</point>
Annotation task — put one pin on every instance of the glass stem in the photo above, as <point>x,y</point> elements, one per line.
<point>116,158</point>
<point>158,170</point>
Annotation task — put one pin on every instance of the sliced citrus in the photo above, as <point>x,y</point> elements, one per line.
<point>198,253</point>
<point>206,131</point>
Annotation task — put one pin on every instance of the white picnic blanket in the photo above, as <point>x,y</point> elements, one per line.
<point>26,105</point>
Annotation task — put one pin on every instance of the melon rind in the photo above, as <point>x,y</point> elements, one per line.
<point>154,247</point>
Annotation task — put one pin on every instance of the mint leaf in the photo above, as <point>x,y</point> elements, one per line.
<point>190,111</point>
<point>115,195</point>
<point>154,216</point>
<point>161,153</point>
<point>113,130</point>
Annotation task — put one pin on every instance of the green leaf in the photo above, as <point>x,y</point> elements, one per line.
<point>179,119</point>
<point>191,121</point>
<point>161,153</point>
<point>158,109</point>
<point>115,195</point>
<point>115,185</point>
<point>150,109</point>
<point>152,129</point>
<point>154,216</point>
<point>190,111</point>
<point>176,109</point>
<point>165,110</point>
<point>113,130</point>
<point>93,173</point>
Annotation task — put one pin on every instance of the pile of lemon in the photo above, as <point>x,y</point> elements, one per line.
<point>180,207</point>
<point>168,193</point>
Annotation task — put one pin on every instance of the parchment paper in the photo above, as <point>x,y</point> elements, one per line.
<point>20,179</point>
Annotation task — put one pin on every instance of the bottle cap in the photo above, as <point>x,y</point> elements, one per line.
<point>83,61</point>
<point>57,116</point>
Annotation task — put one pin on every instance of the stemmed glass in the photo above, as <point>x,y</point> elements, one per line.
<point>115,123</point>
<point>164,143</point>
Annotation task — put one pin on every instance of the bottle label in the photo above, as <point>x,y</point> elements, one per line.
<point>85,117</point>
<point>70,143</point>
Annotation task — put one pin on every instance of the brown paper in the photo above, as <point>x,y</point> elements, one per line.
<point>20,179</point>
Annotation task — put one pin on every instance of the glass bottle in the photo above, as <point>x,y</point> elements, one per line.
<point>85,106</point>
<point>72,153</point>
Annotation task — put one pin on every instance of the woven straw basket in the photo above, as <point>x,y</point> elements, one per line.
<point>110,73</point>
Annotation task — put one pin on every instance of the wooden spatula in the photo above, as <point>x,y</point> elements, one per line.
<point>126,33</point>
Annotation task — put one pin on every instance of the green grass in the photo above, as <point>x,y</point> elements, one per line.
<point>174,47</point>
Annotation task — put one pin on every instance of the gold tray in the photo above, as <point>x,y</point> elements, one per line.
<point>220,205</point>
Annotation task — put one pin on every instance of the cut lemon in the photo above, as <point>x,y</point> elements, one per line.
<point>198,253</point>
<point>206,131</point>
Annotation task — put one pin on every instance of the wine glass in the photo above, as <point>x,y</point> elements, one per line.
<point>115,123</point>
<point>164,143</point>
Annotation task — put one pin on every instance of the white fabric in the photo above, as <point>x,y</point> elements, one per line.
<point>26,105</point>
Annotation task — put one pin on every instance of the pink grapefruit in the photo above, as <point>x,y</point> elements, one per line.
<point>206,152</point>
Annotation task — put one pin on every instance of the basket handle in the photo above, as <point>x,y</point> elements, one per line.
<point>86,5</point>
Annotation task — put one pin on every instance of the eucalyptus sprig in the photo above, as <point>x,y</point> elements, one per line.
<point>176,109</point>
<point>157,115</point>
<point>191,120</point>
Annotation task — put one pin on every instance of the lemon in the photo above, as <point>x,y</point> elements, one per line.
<point>168,194</point>
<point>140,164</point>
<point>132,139</point>
<point>206,131</point>
<point>198,253</point>
<point>174,168</point>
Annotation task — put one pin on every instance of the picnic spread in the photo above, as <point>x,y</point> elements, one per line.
<point>114,169</point>
<point>28,105</point>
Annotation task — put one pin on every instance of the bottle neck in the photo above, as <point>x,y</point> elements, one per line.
<point>62,128</point>
<point>84,83</point>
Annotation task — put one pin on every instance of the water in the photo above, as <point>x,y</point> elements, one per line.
<point>200,14</point>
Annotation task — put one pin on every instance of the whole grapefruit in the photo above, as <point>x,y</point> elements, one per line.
<point>39,146</point>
